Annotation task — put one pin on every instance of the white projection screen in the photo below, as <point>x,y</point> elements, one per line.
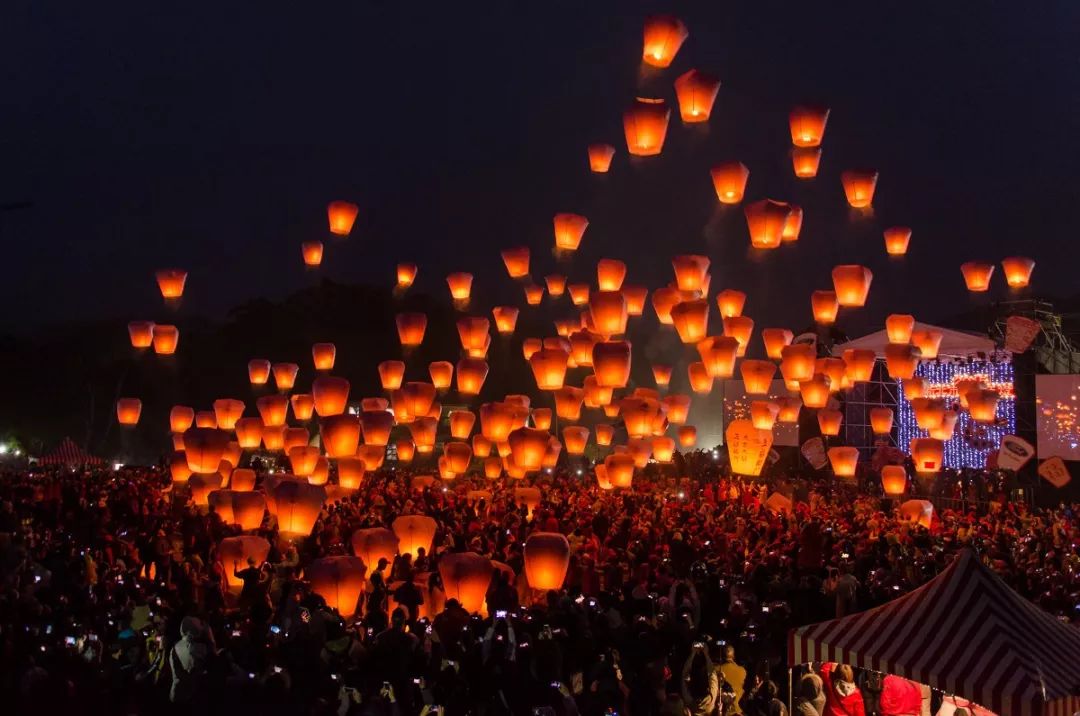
<point>1057,413</point>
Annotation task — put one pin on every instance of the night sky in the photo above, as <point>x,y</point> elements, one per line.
<point>211,138</point>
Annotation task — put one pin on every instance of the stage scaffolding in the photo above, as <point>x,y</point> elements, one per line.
<point>878,392</point>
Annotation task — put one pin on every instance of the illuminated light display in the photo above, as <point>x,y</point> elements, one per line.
<point>971,441</point>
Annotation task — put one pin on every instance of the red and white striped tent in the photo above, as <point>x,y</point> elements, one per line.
<point>965,632</point>
<point>70,454</point>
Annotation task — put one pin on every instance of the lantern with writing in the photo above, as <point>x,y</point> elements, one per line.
<point>747,447</point>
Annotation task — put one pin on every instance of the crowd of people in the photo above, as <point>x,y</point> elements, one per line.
<point>678,599</point>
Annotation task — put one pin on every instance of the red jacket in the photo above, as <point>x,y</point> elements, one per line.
<point>837,704</point>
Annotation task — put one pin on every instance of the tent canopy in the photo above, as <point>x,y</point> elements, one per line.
<point>964,632</point>
<point>954,344</point>
<point>70,454</point>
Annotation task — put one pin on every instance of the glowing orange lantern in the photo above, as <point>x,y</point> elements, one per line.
<point>815,392</point>
<point>829,421</point>
<point>747,447</point>
<point>534,294</point>
<point>460,284</point>
<point>303,459</point>
<point>442,374</point>
<point>528,446</point>
<point>610,274</point>
<point>645,125</point>
<point>567,403</point>
<point>859,186</point>
<point>496,421</point>
<point>406,274</point>
<point>549,368</point>
<point>898,327</point>
<point>635,299</point>
<point>808,125</point>
<point>765,220</point>
<point>303,405</point>
<point>128,411</point>
<point>893,480</point>
<point>596,395</point>
<point>844,460</point>
<point>729,181</point>
<point>901,360</point>
<point>701,381</point>
<point>611,363</point>
<point>340,435</point>
<point>294,437</point>
<point>881,420</point>
<point>166,339</point>
<point>411,328</point>
<point>205,419</point>
<point>466,577</point>
<point>171,282</point>
<point>859,364</point>
<point>236,552</point>
<point>391,373</point>
<point>569,229</point>
<point>664,35</point>
<point>374,544</point>
<point>775,339</point>
<point>331,395</point>
<point>285,375</point>
<point>341,215</point>
<point>763,414</point>
<point>227,411</point>
<point>793,225</point>
<point>339,580</point>
<point>982,404</point>
<point>740,328</point>
<point>414,533</point>
<point>471,374</point>
<point>1017,271</point>
<point>664,299</point>
<point>600,156</point>
<point>312,252</point>
<point>691,319</point>
<point>731,302</point>
<point>604,434</point>
<point>406,449</point>
<point>797,362</point>
<point>258,371</point>
<point>608,311</point>
<point>927,454</point>
<point>676,408</point>
<point>204,448</point>
<point>273,438</point>
<point>757,376</point>
<point>661,374</point>
<point>687,435</point>
<point>141,334</point>
<point>696,92</point>
<point>825,306</point>
<point>896,240</point>
<point>249,433</point>
<point>180,418</point>
<point>928,342</point>
<point>852,284</point>
<point>575,438</point>
<point>273,409</point>
<point>789,410</point>
<point>805,161</point>
<point>620,470</point>
<point>505,319</point>
<point>323,355</point>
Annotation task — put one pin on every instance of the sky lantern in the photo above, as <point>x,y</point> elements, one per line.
<point>844,459</point>
<point>493,467</point>
<point>596,395</point>
<point>687,436</point>
<point>541,417</point>
<point>372,456</point>
<point>312,251</point>
<point>178,467</point>
<point>775,339</point>
<point>575,438</point>
<point>661,374</point>
<point>602,480</point>
<point>303,458</point>
<point>297,506</point>
<point>790,407</point>
<point>249,433</point>
<point>581,346</point>
<point>461,424</point>
<point>273,409</point>
<point>530,346</point>
<point>729,181</point>
<point>664,299</point>
<point>406,274</point>
<point>928,341</point>
<point>321,474</point>
<point>608,311</point>
<point>341,435</point>
<point>600,156</point>
<point>611,363</point>
<point>899,327</point>
<point>458,455</point>
<point>547,559</point>
<point>303,406</point>
<point>664,35</point>
<point>258,371</point>
<point>505,319</point>
<point>741,328</point>
<point>645,125</point>
<point>859,364</point>
<point>691,319</point>
<point>579,293</point>
<point>945,429</point>
<point>166,339</point>
<point>376,427</point>
<point>285,375</point>
<point>141,334</point>
<point>534,294</point>
<point>551,457</point>
<point>620,470</point>
<point>171,282</point>
<point>638,415</point>
<point>516,260</point>
<point>204,448</point>
<point>604,434</point>
<point>757,376</point>
<point>339,580</point>
<point>406,449</point>
<point>901,361</point>
<point>568,403</point>
<point>414,532</point>
<point>881,420</point>
<point>528,446</point>
<point>763,414</point>
<point>460,284</point>
<point>893,480</point>
<point>569,229</point>
<point>815,391</point>
<point>797,362</point>
<point>242,480</point>
<point>234,553</point>
<point>676,408</point>
<point>982,404</point>
<point>205,419</point>
<point>391,373</point>
<point>718,355</point>
<point>696,92</point>
<point>481,446</point>
<point>690,271</point>
<point>929,412</point>
<point>832,368</point>
<point>747,447</point>
<point>851,283</point>
<point>418,397</point>
<point>610,274</point>
<point>701,381</point>
<point>1017,271</point>
<point>793,225</point>
<point>350,473</point>
<point>471,374</point>
<point>341,215</point>
<point>228,411</point>
<point>466,577</point>
<point>373,544</point>
<point>805,161</point>
<point>825,306</point>
<point>731,302</point>
<point>442,374</point>
<point>273,438</point>
<point>128,411</point>
<point>977,275</point>
<point>323,355</point>
<point>640,449</point>
<point>496,421</point>
<point>549,368</point>
<point>829,421</point>
<point>331,395</point>
<point>927,454</point>
<point>897,239</point>
<point>181,418</point>
<point>293,437</point>
<point>808,125</point>
<point>859,186</point>
<point>765,219</point>
<point>411,328</point>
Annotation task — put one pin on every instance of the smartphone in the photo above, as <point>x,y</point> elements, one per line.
<point>69,640</point>
<point>277,669</point>
<point>500,614</point>
<point>92,637</point>
<point>275,629</point>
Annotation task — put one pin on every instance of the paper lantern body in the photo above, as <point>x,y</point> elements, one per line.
<point>729,181</point>
<point>466,577</point>
<point>824,306</point>
<point>927,454</point>
<point>747,447</point>
<point>893,480</point>
<point>258,371</point>
<point>128,411</point>
<point>171,282</point>
<point>235,552</point>
<point>547,558</point>
<point>374,543</point>
<point>339,580</point>
<point>285,375</point>
<point>696,92</point>
<point>645,125</point>
<point>297,506</point>
<point>663,36</point>
<point>600,156</point>
<point>1017,271</point>
<point>844,460</point>
<point>859,187</point>
<point>414,532</point>
<point>807,125</point>
<point>141,334</point>
<point>341,216</point>
<point>852,284</point>
<point>897,239</point>
<point>805,161</point>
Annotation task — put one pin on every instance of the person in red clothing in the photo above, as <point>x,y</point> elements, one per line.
<point>842,696</point>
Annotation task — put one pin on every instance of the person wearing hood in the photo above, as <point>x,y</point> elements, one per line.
<point>842,696</point>
<point>811,696</point>
<point>189,661</point>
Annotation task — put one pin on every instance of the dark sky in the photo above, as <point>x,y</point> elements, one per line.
<point>211,136</point>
